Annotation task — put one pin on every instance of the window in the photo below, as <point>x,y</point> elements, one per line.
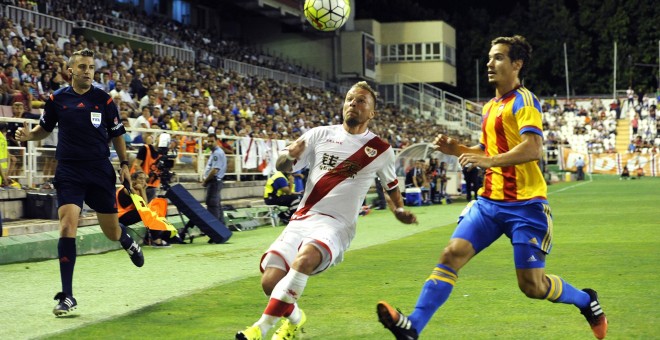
<point>181,11</point>
<point>410,54</point>
<point>421,52</point>
<point>132,2</point>
<point>450,56</point>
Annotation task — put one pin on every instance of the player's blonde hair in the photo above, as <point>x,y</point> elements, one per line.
<point>365,86</point>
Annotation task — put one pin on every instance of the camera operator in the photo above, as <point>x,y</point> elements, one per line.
<point>164,141</point>
<point>215,170</point>
<point>145,160</point>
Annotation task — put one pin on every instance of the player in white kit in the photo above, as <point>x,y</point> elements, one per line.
<point>343,162</point>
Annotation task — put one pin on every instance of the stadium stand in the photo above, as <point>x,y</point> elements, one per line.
<point>188,86</point>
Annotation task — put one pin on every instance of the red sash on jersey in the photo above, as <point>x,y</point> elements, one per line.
<point>349,167</point>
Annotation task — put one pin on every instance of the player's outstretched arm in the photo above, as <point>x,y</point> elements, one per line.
<point>395,203</point>
<point>451,146</point>
<point>292,152</point>
<point>531,149</point>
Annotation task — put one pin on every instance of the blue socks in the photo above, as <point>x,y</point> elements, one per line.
<point>435,292</point>
<point>562,292</point>
<point>440,283</point>
<point>66,252</point>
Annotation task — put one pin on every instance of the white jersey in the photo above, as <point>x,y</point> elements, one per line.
<point>342,167</point>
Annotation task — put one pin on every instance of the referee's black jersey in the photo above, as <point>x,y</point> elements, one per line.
<point>87,123</point>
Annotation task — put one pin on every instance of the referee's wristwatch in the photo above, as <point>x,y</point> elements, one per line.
<point>122,163</point>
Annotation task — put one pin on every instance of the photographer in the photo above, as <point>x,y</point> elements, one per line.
<point>129,215</point>
<point>145,160</point>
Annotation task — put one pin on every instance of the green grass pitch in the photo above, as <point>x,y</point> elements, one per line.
<point>606,238</point>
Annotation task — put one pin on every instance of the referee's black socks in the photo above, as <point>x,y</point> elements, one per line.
<point>125,239</point>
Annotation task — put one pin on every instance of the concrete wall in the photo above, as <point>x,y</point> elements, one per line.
<point>313,50</point>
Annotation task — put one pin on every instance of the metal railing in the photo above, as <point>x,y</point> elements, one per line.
<point>263,72</point>
<point>34,157</point>
<point>59,25</point>
<point>113,31</point>
<point>180,53</point>
<point>131,26</point>
<point>448,109</point>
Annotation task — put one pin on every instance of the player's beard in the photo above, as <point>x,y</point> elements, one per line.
<point>352,121</point>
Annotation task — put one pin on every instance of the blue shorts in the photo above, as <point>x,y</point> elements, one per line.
<point>527,224</point>
<point>90,181</point>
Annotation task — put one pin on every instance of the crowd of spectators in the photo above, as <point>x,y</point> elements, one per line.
<point>644,122</point>
<point>165,93</point>
<point>207,46</point>
<point>586,127</point>
<point>591,126</point>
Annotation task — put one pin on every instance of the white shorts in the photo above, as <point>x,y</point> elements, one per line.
<point>328,235</point>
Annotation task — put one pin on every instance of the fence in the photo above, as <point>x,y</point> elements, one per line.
<point>250,158</point>
<point>59,25</point>
<point>447,109</point>
<point>262,72</point>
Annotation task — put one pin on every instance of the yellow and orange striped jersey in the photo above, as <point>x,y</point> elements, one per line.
<point>504,120</point>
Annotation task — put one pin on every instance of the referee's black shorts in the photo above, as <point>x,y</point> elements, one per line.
<point>90,181</point>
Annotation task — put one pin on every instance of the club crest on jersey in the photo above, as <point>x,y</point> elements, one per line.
<point>371,152</point>
<point>96,118</point>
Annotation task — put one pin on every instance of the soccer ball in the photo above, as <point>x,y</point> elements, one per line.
<point>327,15</point>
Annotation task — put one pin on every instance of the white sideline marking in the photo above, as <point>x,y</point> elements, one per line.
<point>572,186</point>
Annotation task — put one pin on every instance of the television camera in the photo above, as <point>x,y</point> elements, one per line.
<point>162,169</point>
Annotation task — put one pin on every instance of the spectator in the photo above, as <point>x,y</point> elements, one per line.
<point>127,137</point>
<point>141,122</point>
<point>50,162</point>
<point>4,161</point>
<point>381,202</point>
<point>631,97</point>
<point>471,176</point>
<point>579,165</point>
<point>18,111</point>
<point>442,175</point>
<point>415,176</point>
<point>125,96</point>
<point>188,147</point>
<point>625,173</point>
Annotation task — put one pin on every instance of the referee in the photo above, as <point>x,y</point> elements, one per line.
<point>88,119</point>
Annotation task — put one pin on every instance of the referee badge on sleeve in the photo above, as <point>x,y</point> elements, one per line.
<point>96,118</point>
